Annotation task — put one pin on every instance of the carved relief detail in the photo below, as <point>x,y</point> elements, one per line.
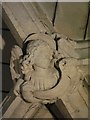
<point>40,69</point>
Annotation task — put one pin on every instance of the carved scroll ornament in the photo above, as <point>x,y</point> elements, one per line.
<point>42,70</point>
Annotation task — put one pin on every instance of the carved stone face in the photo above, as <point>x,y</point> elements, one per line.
<point>39,53</point>
<point>38,57</point>
<point>43,76</point>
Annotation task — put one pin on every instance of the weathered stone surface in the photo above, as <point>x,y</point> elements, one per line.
<point>80,109</point>
<point>17,21</point>
<point>35,90</point>
<point>71,19</point>
<point>18,108</point>
<point>38,74</point>
<point>65,56</point>
<point>84,64</point>
<point>44,89</point>
<point>43,113</point>
<point>48,9</point>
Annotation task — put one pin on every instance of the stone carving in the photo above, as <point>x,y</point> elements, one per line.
<point>16,53</point>
<point>40,69</point>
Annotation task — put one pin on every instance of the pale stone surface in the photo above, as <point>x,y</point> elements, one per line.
<point>71,19</point>
<point>15,69</point>
<point>44,89</point>
<point>66,65</point>
<point>48,9</point>
<point>43,113</point>
<point>30,18</point>
<point>21,109</point>
<point>38,74</point>
<point>70,81</point>
<point>44,70</point>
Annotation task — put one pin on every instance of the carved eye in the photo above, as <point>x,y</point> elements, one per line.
<point>29,61</point>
